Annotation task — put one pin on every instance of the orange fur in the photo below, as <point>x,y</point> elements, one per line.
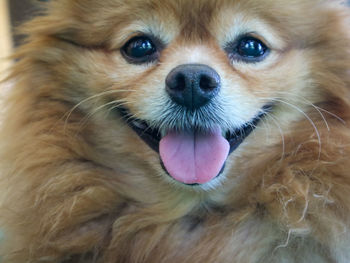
<point>77,185</point>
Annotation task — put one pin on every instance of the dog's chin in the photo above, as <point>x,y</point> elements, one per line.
<point>193,157</point>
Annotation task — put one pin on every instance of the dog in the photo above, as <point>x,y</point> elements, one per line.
<point>178,131</point>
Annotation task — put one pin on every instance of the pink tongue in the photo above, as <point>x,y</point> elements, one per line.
<point>192,157</point>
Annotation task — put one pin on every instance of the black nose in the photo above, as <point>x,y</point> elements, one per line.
<point>193,85</point>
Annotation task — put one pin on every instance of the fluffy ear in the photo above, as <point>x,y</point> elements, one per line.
<point>72,21</point>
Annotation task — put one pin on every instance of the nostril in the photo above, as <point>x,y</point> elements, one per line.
<point>180,81</point>
<point>207,83</point>
<point>176,82</point>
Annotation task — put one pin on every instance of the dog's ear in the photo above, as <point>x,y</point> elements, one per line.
<point>68,20</point>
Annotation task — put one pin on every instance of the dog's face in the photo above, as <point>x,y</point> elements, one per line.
<point>201,83</point>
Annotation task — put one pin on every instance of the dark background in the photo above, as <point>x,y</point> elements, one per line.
<point>21,10</point>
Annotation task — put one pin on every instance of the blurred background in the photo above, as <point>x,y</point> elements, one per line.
<point>12,13</point>
<point>5,39</point>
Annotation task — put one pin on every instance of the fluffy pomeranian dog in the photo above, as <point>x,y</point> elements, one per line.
<point>179,131</point>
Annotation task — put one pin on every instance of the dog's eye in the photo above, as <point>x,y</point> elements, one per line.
<point>139,50</point>
<point>251,48</point>
<point>248,49</point>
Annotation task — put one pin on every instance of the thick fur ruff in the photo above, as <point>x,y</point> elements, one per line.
<point>78,185</point>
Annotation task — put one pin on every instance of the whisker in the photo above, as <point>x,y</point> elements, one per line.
<point>332,114</point>
<point>308,118</point>
<point>281,133</point>
<point>107,92</point>
<point>307,102</point>
<point>119,103</point>
<point>105,105</point>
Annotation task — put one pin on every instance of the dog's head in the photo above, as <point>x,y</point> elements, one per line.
<point>191,85</point>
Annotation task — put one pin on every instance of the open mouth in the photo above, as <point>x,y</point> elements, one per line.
<point>193,157</point>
